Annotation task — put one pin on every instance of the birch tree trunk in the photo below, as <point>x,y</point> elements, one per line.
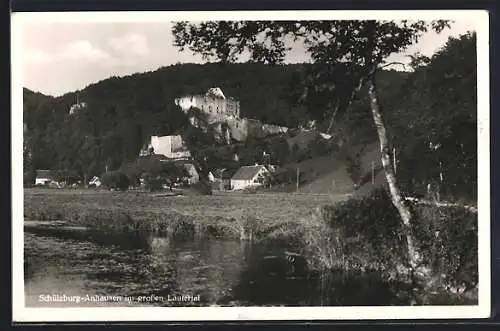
<point>395,193</point>
<point>332,119</point>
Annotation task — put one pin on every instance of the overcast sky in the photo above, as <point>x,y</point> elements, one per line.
<point>64,57</point>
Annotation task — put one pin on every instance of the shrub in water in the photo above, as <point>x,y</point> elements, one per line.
<point>448,241</point>
<point>115,180</point>
<point>368,232</point>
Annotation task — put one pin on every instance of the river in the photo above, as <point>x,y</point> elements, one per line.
<point>103,269</point>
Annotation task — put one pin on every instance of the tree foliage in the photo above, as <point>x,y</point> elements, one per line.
<point>115,180</point>
<point>154,172</point>
<point>435,131</point>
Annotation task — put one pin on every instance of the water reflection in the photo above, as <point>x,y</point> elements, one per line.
<point>220,272</point>
<point>61,261</point>
<point>205,267</point>
<point>269,279</point>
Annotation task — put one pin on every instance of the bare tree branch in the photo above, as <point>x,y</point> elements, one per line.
<point>393,63</point>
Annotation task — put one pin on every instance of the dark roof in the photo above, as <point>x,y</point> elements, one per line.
<point>43,173</point>
<point>190,168</point>
<point>247,172</point>
<point>226,173</point>
<point>153,157</point>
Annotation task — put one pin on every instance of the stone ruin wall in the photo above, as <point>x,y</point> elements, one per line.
<point>216,109</point>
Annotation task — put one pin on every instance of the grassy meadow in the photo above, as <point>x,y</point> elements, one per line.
<point>232,215</point>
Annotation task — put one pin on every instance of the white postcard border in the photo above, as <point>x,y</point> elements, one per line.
<point>23,314</point>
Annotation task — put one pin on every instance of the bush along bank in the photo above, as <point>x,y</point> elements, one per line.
<point>365,234</point>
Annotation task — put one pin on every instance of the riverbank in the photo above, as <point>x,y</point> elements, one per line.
<point>332,232</point>
<point>228,215</point>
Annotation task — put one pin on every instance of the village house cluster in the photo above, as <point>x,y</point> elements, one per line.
<point>47,178</point>
<point>217,110</point>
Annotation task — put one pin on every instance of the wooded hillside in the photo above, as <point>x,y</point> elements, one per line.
<point>122,112</point>
<point>433,106</point>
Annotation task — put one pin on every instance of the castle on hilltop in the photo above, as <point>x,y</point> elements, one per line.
<point>220,114</point>
<point>213,104</point>
<point>217,110</point>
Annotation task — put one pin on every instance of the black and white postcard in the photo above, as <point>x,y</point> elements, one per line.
<point>293,165</point>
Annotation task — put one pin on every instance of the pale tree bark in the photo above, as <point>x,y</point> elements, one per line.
<point>332,119</point>
<point>396,197</point>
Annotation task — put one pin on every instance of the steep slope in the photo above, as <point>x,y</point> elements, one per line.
<point>330,173</point>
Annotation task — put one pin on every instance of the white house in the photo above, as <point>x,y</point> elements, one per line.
<point>95,181</point>
<point>172,147</point>
<point>249,176</point>
<point>43,177</point>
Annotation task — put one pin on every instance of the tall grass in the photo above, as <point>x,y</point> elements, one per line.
<point>232,216</point>
<point>361,234</point>
<point>159,223</point>
<point>321,242</point>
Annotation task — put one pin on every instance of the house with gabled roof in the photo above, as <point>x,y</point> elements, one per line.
<point>249,176</point>
<point>221,178</point>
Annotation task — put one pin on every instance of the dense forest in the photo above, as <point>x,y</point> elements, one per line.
<point>433,105</point>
